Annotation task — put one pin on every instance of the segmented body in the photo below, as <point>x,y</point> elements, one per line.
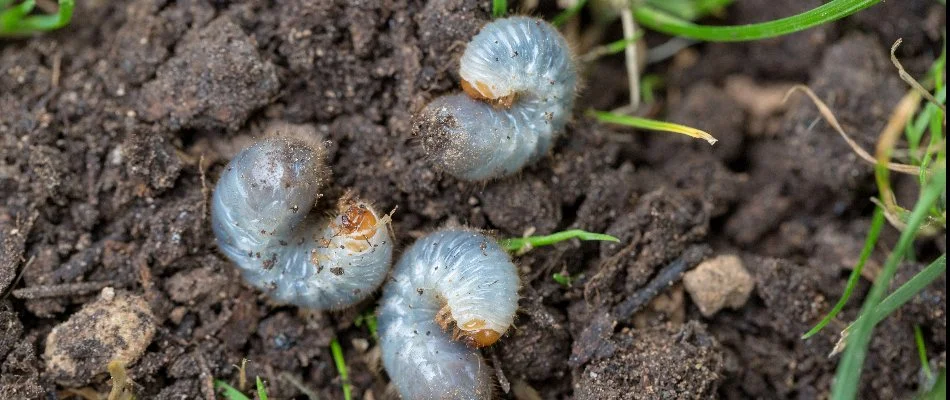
<point>452,292</point>
<point>261,217</point>
<point>520,81</point>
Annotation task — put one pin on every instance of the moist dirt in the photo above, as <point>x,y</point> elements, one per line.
<point>114,130</point>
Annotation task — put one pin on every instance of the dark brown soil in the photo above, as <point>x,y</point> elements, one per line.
<point>114,131</point>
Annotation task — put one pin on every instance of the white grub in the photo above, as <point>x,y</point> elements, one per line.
<point>261,217</point>
<point>452,292</point>
<point>520,80</point>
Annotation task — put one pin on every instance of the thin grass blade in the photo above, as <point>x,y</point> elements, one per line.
<point>848,374</point>
<point>669,24</point>
<point>922,352</point>
<point>340,362</point>
<point>909,289</point>
<point>522,245</point>
<point>877,222</point>
<point>569,13</point>
<point>228,391</point>
<point>654,125</point>
<point>10,19</point>
<point>261,390</point>
<point>499,8</point>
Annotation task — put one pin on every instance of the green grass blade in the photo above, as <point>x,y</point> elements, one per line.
<point>499,8</point>
<point>690,10</point>
<point>910,289</point>
<point>621,45</point>
<point>10,19</point>
<point>261,390</point>
<point>936,115</point>
<point>614,47</point>
<point>848,374</point>
<point>915,129</point>
<point>831,11</point>
<point>42,23</point>
<point>17,22</point>
<point>563,279</point>
<point>939,67</point>
<point>648,84</point>
<point>675,8</point>
<point>643,123</point>
<point>340,362</point>
<point>368,319</point>
<point>877,222</point>
<point>922,351</point>
<point>371,324</point>
<point>706,7</point>
<point>229,392</point>
<point>520,245</point>
<point>936,123</point>
<point>569,13</point>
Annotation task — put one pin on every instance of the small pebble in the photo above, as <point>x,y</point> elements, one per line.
<point>107,294</point>
<point>717,283</point>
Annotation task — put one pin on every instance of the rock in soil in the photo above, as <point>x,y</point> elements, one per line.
<point>115,327</point>
<point>656,363</point>
<point>717,283</point>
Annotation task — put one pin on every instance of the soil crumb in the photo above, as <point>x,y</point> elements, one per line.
<point>656,363</point>
<point>215,80</point>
